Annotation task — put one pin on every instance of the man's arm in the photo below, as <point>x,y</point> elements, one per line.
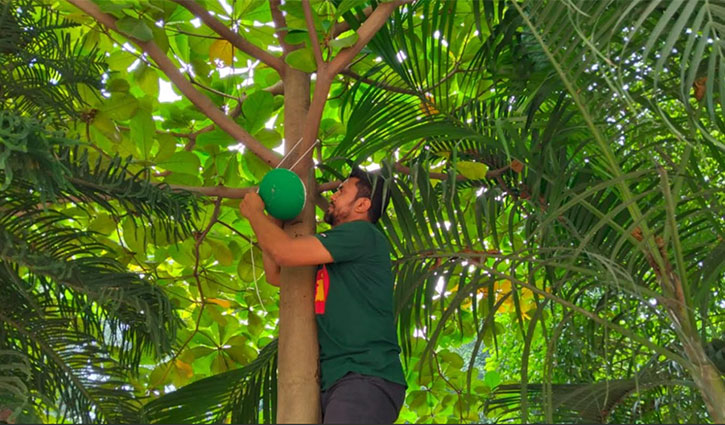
<point>282,249</point>
<point>271,269</point>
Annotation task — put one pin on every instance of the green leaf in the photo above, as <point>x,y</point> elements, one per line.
<point>220,364</point>
<point>160,38</point>
<point>221,252</point>
<point>231,173</point>
<point>103,224</point>
<point>134,236</point>
<point>182,162</point>
<point>451,359</point>
<point>159,376</point>
<point>119,85</point>
<point>347,5</point>
<point>342,43</point>
<point>241,353</point>
<point>180,43</point>
<point>257,109</point>
<point>135,27</point>
<point>265,77</point>
<point>120,106</point>
<point>167,147</point>
<point>255,166</point>
<point>472,170</point>
<point>417,400</point>
<point>255,324</point>
<point>148,80</point>
<point>492,378</point>
<point>302,59</point>
<point>296,37</point>
<point>331,128</point>
<point>269,138</point>
<point>120,60</point>
<point>196,353</point>
<point>216,137</point>
<point>245,271</point>
<point>143,130</point>
<point>106,126</point>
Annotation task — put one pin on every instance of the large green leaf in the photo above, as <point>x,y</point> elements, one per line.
<point>182,162</point>
<point>135,27</point>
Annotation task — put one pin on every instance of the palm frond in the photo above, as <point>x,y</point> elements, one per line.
<point>49,167</point>
<point>67,265</point>
<point>82,312</point>
<point>68,366</point>
<point>245,395</point>
<point>43,71</point>
<point>573,403</point>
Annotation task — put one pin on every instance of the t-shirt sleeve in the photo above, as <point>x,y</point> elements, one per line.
<point>347,242</point>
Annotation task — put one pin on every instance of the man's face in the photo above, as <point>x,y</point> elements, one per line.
<point>342,202</point>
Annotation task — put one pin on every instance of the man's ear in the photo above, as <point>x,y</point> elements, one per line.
<point>362,205</point>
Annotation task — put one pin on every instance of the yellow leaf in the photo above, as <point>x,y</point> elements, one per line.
<point>503,286</point>
<point>220,302</point>
<point>472,170</point>
<point>222,50</point>
<point>184,369</point>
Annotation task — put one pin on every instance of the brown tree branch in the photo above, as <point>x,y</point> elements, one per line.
<point>313,35</point>
<point>341,27</point>
<point>365,33</point>
<point>197,98</point>
<point>237,40</point>
<point>212,90</point>
<point>280,25</point>
<point>327,71</point>
<point>216,191</point>
<point>331,185</point>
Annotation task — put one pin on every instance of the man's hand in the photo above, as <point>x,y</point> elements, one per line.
<point>251,204</point>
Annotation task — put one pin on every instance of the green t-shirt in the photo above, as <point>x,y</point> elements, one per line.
<point>354,305</point>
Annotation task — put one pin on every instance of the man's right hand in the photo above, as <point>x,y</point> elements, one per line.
<point>251,204</point>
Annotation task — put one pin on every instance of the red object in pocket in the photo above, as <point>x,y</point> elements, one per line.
<point>322,286</point>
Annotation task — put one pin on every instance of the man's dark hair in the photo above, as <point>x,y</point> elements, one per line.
<point>372,185</point>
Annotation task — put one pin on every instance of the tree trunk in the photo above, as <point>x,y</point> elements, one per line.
<point>707,377</point>
<point>298,388</point>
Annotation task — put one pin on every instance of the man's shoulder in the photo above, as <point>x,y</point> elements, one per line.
<point>359,231</point>
<point>357,226</point>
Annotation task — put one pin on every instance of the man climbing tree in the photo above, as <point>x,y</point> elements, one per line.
<point>361,376</point>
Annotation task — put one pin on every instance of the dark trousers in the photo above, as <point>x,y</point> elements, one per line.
<point>362,399</point>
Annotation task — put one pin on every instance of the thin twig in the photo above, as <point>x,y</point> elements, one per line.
<point>199,239</point>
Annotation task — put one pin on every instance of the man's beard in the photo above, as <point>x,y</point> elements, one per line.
<point>334,215</point>
<point>330,216</point>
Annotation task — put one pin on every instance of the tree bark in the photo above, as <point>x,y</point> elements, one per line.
<point>298,388</point>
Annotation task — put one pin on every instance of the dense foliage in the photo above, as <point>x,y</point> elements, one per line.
<point>557,219</point>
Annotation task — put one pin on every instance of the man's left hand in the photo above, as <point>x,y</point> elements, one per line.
<point>251,204</point>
